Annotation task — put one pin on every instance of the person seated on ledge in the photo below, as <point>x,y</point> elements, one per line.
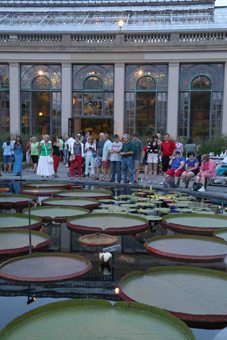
<point>221,168</point>
<point>191,168</point>
<point>207,170</point>
<point>177,164</point>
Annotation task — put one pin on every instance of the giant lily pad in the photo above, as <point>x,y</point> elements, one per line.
<point>98,240</point>
<point>87,203</point>
<point>56,214</point>
<point>97,319</point>
<point>17,241</point>
<point>109,223</point>
<point>41,192</point>
<point>86,194</point>
<point>45,267</point>
<point>222,234</point>
<point>44,185</point>
<point>187,248</point>
<point>19,221</point>
<point>18,202</point>
<point>193,294</point>
<point>194,223</point>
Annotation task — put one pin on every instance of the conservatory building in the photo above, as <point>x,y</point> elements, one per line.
<point>114,66</point>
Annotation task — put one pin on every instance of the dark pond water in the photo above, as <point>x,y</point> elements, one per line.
<point>99,283</point>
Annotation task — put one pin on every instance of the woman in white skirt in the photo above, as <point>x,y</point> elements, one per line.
<point>46,163</point>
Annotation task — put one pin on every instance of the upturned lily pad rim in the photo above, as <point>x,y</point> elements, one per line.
<point>4,189</point>
<point>43,279</point>
<point>80,228</point>
<point>56,218</point>
<point>104,193</point>
<point>93,203</point>
<point>198,318</point>
<point>218,233</point>
<point>154,311</point>
<point>82,240</point>
<point>45,184</point>
<point>21,250</point>
<point>40,192</point>
<point>187,228</point>
<point>34,226</point>
<point>151,218</point>
<point>8,203</point>
<point>188,258</point>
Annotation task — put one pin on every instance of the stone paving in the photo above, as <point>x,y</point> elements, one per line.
<point>216,191</point>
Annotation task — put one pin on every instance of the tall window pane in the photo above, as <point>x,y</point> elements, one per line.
<point>92,105</point>
<point>201,100</point>
<point>40,99</point>
<point>4,101</point>
<point>146,98</point>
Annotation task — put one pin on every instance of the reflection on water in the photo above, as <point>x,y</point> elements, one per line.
<point>15,306</point>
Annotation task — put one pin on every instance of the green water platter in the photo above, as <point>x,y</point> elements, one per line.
<point>44,267</point>
<point>88,319</point>
<point>110,223</point>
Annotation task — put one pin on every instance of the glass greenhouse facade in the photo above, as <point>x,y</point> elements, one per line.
<point>123,66</point>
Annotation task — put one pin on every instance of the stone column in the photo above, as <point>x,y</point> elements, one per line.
<point>119,93</point>
<point>173,97</point>
<point>66,96</point>
<point>224,112</point>
<point>14,81</point>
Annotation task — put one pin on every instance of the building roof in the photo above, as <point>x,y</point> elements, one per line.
<point>74,16</point>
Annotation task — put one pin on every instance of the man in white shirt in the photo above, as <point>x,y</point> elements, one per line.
<point>69,144</point>
<point>105,157</point>
<point>115,159</point>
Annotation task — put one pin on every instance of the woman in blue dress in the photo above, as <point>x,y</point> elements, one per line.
<point>18,156</point>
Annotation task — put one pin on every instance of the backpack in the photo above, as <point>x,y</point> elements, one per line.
<point>169,182</point>
<point>196,186</point>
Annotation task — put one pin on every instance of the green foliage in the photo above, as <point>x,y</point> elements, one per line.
<point>215,144</point>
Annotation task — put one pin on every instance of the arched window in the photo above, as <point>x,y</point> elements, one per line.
<point>200,100</point>
<point>41,83</point>
<point>92,98</point>
<point>201,83</point>
<point>146,98</point>
<point>93,83</point>
<point>146,83</point>
<point>41,99</point>
<point>4,100</point>
<point>200,106</point>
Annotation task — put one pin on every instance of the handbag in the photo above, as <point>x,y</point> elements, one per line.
<point>196,186</point>
<point>50,159</point>
<point>72,157</point>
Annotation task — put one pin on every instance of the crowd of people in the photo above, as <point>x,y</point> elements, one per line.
<point>111,159</point>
